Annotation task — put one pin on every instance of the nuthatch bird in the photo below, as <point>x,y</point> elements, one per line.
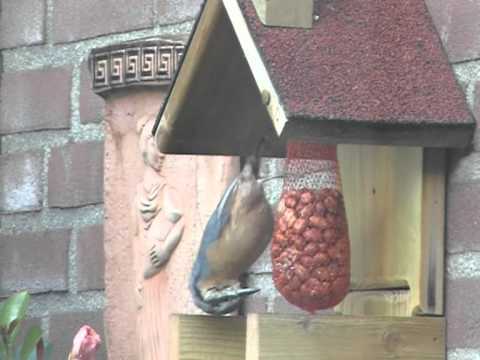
<point>236,234</point>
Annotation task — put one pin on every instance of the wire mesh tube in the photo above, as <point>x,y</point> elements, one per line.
<point>310,246</point>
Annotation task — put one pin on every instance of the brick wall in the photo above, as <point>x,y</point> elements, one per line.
<point>458,22</point>
<point>51,158</point>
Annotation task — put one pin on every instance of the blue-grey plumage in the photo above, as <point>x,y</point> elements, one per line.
<point>236,234</point>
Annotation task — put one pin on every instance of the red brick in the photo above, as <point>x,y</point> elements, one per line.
<point>21,22</point>
<point>63,328</point>
<point>91,105</point>
<point>463,317</point>
<point>35,261</point>
<point>74,20</point>
<point>458,25</point>
<point>75,175</point>
<point>90,258</point>
<point>35,100</point>
<point>20,182</point>
<point>463,215</point>
<point>174,11</point>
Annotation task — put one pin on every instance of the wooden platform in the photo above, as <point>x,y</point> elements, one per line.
<point>286,337</point>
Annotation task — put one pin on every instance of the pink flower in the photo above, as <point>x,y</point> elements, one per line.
<point>85,344</point>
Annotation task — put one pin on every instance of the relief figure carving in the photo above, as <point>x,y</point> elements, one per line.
<point>160,222</point>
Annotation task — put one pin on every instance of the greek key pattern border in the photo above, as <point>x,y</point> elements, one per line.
<point>148,63</point>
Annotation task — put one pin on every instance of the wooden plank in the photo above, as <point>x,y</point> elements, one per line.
<point>198,117</point>
<point>344,131</point>
<point>433,233</point>
<point>382,187</point>
<point>376,303</point>
<point>285,13</point>
<point>207,338</point>
<point>198,49</point>
<point>256,64</point>
<point>346,338</point>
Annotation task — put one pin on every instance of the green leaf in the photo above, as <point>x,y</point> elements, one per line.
<point>3,349</point>
<point>43,351</point>
<point>48,351</point>
<point>13,310</point>
<point>30,342</point>
<point>15,328</point>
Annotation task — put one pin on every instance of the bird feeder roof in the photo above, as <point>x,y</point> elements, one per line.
<point>370,71</point>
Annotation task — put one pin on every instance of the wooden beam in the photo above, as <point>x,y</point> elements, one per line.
<point>346,338</point>
<point>285,13</point>
<point>433,232</point>
<point>207,338</point>
<point>343,131</point>
<point>376,303</point>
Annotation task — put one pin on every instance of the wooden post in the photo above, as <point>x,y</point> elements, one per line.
<point>207,338</point>
<point>151,200</point>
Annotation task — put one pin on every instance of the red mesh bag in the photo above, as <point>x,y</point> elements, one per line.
<point>310,245</point>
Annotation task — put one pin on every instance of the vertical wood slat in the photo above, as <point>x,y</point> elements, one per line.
<point>433,232</point>
<point>382,187</point>
<point>278,337</point>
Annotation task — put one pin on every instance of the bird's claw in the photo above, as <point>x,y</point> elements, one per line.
<point>227,294</point>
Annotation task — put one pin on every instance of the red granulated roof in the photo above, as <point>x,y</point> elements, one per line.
<point>368,71</point>
<point>372,61</point>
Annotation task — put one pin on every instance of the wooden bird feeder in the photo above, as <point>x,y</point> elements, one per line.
<point>372,77</point>
<point>370,72</point>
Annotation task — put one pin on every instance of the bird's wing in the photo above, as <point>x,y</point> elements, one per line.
<point>221,215</point>
<point>218,220</point>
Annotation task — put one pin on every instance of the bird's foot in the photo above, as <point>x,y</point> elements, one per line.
<point>229,293</point>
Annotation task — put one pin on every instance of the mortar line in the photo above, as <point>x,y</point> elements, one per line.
<point>463,266</point>
<point>463,354</point>
<point>47,304</point>
<point>56,55</point>
<point>73,262</point>
<point>75,99</point>
<point>81,132</point>
<point>46,158</point>
<point>48,21</point>
<point>51,219</point>
<point>155,14</point>
<point>45,326</point>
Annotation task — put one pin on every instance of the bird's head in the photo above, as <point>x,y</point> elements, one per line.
<point>250,167</point>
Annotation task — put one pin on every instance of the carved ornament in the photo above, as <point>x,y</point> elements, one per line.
<point>144,63</point>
